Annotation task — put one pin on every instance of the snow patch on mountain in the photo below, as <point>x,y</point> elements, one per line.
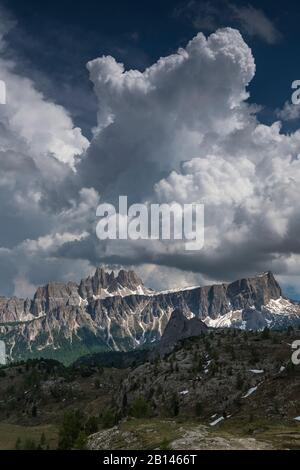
<point>122,291</point>
<point>217,421</point>
<point>250,392</point>
<point>282,306</point>
<point>225,321</point>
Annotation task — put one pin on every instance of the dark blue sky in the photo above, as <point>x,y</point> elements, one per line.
<point>56,38</point>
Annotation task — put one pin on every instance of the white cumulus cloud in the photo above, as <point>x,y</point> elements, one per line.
<point>181,130</point>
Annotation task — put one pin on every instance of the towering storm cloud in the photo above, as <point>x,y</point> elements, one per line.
<point>180,131</point>
<point>150,122</point>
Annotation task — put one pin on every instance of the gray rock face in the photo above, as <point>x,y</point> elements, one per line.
<point>255,291</point>
<point>102,284</point>
<point>54,295</point>
<point>13,309</point>
<point>179,327</point>
<point>117,312</point>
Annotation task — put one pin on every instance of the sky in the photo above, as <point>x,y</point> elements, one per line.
<point>162,101</point>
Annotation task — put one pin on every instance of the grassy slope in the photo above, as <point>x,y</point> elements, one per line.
<point>263,419</point>
<point>9,433</point>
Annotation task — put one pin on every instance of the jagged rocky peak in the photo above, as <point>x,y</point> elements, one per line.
<point>254,291</point>
<point>93,285</point>
<point>117,311</point>
<point>101,280</point>
<point>103,284</point>
<point>129,279</point>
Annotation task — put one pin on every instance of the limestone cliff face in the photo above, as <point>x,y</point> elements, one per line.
<point>108,311</point>
<point>255,291</point>
<point>13,309</point>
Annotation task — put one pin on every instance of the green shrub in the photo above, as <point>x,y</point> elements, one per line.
<point>91,426</point>
<point>70,429</point>
<point>109,419</point>
<point>174,405</point>
<point>239,382</point>
<point>198,409</point>
<point>139,408</point>
<point>265,334</point>
<point>81,441</point>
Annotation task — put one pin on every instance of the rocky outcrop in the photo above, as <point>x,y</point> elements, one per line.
<point>178,328</point>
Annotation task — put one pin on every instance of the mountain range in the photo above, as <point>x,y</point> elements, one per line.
<point>108,312</point>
